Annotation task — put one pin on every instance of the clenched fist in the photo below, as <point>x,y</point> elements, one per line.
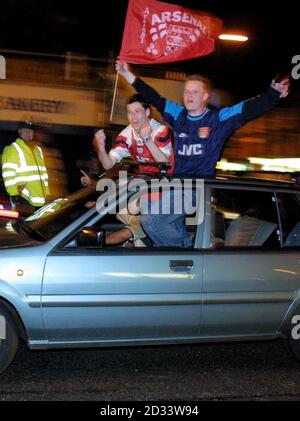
<point>99,140</point>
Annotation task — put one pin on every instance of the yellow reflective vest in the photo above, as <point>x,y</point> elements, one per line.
<point>23,166</point>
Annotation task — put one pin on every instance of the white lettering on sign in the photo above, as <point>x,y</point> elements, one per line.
<point>37,105</point>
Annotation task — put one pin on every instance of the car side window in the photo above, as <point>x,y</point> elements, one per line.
<point>244,218</point>
<point>289,208</point>
<point>123,229</point>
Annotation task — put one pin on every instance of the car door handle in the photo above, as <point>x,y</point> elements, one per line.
<point>181,265</point>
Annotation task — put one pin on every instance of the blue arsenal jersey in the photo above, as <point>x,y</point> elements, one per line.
<point>198,141</point>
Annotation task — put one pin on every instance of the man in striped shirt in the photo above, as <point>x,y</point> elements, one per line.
<point>145,140</point>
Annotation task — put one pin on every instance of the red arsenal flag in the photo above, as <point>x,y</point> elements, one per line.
<point>157,32</point>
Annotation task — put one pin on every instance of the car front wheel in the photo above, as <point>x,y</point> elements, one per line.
<point>8,339</point>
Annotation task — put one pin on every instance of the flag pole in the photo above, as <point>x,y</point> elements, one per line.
<point>114,98</point>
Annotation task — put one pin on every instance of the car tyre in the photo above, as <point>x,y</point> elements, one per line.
<point>8,345</point>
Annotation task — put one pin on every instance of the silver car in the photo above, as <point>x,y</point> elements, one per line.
<point>61,286</point>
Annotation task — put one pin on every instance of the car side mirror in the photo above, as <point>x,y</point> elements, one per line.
<point>91,237</point>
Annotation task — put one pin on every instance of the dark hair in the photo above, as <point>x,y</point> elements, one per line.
<point>140,99</point>
<point>25,125</point>
<point>207,82</point>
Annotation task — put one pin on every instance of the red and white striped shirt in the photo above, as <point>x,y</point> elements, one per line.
<point>129,144</point>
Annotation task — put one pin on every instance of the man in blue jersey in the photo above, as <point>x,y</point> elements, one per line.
<point>199,136</point>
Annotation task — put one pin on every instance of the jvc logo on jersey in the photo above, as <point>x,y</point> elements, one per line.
<point>191,150</point>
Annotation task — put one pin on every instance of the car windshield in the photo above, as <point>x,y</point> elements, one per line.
<point>49,220</point>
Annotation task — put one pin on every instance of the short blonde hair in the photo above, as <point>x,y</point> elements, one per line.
<point>207,82</point>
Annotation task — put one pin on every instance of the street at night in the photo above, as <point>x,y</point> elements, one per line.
<point>149,201</point>
<point>247,371</point>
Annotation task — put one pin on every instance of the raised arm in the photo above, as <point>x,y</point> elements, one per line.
<point>149,94</point>
<point>106,160</point>
<point>248,110</point>
<point>257,106</point>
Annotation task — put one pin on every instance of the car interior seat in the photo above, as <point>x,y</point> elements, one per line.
<point>293,238</point>
<point>248,231</point>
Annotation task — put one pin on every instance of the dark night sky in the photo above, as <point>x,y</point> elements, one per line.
<point>95,28</point>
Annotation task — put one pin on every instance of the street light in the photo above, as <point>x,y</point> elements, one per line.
<point>232,37</point>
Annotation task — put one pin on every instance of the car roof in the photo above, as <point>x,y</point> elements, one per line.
<point>252,179</point>
<point>259,179</point>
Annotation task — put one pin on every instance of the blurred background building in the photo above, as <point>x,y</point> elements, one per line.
<point>70,96</point>
<point>60,72</point>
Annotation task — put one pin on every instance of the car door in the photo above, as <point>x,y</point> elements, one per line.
<point>116,294</point>
<point>248,283</point>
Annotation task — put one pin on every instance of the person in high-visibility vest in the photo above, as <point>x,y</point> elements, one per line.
<point>24,172</point>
